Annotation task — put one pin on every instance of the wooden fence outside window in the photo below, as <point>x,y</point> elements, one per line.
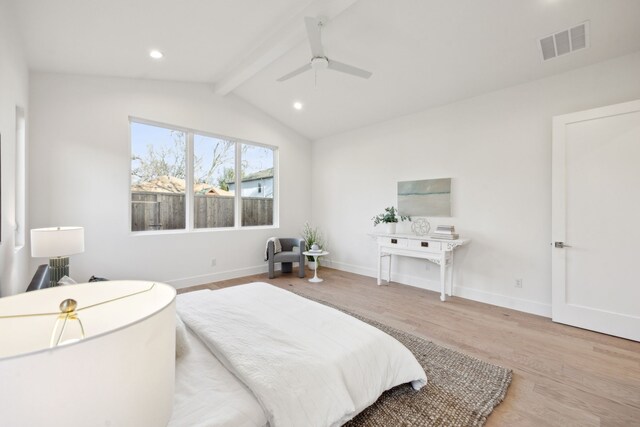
<point>166,211</point>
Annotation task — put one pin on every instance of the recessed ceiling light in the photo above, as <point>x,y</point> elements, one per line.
<point>297,105</point>
<point>156,54</point>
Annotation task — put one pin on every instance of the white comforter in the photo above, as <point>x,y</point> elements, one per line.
<point>206,393</point>
<point>306,364</point>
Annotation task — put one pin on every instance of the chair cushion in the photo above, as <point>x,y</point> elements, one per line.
<point>287,256</point>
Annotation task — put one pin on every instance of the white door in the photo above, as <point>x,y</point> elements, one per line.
<point>596,217</point>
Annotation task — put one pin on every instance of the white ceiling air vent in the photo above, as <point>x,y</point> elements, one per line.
<point>564,42</point>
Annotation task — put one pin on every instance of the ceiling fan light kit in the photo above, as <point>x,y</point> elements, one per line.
<point>319,61</point>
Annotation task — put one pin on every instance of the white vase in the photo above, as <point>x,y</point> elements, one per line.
<point>311,265</point>
<point>390,228</point>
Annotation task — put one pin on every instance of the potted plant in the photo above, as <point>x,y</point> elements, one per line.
<point>311,236</point>
<point>389,218</point>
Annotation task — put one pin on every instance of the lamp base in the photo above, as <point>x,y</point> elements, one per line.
<point>58,268</point>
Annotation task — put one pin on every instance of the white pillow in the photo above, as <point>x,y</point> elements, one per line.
<point>66,280</point>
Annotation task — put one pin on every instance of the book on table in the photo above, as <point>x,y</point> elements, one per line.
<point>445,236</point>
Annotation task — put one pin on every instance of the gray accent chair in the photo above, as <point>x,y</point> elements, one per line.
<point>292,250</point>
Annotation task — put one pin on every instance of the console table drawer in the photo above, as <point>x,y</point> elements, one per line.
<point>394,241</point>
<point>425,245</point>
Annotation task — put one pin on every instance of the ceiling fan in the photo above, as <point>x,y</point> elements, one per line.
<point>319,61</point>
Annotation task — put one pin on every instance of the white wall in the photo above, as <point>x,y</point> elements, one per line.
<point>497,149</point>
<point>14,263</point>
<point>79,136</point>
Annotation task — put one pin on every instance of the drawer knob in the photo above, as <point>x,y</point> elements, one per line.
<point>394,241</point>
<point>424,244</point>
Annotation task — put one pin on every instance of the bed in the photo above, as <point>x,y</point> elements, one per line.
<point>256,355</point>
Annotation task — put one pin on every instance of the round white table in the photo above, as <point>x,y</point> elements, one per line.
<point>315,255</point>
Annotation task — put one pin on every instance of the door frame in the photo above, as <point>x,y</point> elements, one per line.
<point>617,324</point>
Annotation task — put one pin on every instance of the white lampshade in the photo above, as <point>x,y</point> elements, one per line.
<point>56,241</point>
<point>120,374</point>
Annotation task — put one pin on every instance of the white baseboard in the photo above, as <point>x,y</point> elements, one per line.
<point>356,269</point>
<point>216,277</point>
<point>405,279</point>
<point>519,304</point>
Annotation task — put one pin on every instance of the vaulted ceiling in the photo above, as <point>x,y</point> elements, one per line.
<point>423,53</point>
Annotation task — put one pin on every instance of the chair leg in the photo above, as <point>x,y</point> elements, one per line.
<point>301,269</point>
<point>271,272</point>
<point>287,267</point>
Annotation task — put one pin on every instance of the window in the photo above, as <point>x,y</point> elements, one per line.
<point>257,185</point>
<point>186,180</point>
<point>214,163</point>
<point>158,172</point>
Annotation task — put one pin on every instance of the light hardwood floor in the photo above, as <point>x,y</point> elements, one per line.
<point>562,376</point>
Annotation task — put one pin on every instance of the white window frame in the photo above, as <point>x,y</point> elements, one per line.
<point>189,196</point>
<point>20,211</point>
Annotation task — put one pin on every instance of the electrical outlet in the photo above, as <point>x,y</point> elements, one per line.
<point>213,262</point>
<point>518,283</point>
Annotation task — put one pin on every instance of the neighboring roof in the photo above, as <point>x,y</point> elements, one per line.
<point>211,191</point>
<point>171,184</point>
<point>263,174</point>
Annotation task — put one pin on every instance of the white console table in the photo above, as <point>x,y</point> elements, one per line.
<point>438,251</point>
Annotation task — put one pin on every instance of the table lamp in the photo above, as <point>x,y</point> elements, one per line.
<point>57,243</point>
<point>119,370</point>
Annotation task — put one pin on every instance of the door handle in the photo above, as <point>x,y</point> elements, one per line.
<point>561,245</point>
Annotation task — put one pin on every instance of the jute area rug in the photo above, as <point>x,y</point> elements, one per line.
<point>461,390</point>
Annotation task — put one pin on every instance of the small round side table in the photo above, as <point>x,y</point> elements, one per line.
<point>315,255</point>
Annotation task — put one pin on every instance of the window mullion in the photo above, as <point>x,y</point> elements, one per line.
<point>276,188</point>
<point>189,196</point>
<point>238,176</point>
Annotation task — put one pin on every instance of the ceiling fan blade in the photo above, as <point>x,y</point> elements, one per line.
<point>295,72</point>
<point>313,32</point>
<point>349,69</point>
